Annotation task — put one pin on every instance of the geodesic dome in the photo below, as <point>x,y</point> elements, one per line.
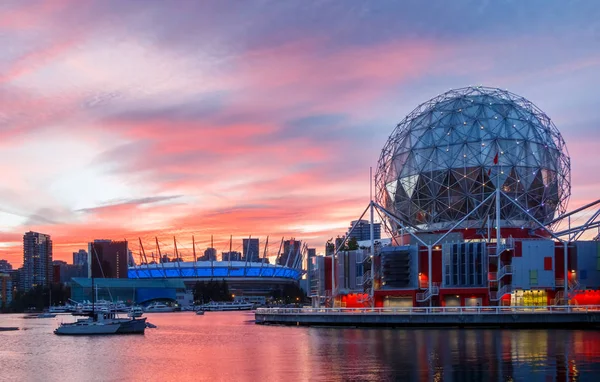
<point>451,152</point>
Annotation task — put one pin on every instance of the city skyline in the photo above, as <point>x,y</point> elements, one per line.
<point>259,121</point>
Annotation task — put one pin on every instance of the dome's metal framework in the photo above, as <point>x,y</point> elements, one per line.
<point>452,152</point>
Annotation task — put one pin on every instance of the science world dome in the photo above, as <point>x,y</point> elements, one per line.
<point>452,152</point>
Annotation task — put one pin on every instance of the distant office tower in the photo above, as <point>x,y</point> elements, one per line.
<point>363,230</point>
<point>291,249</point>
<point>5,289</point>
<point>210,254</point>
<point>231,256</point>
<point>80,258</point>
<point>37,260</point>
<point>250,249</point>
<point>130,260</point>
<point>113,257</point>
<point>63,272</point>
<point>5,265</point>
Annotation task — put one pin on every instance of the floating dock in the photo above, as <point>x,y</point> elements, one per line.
<point>576,317</point>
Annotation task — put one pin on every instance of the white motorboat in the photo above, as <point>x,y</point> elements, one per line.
<point>61,309</point>
<point>158,307</point>
<point>200,312</point>
<point>135,311</point>
<point>226,306</point>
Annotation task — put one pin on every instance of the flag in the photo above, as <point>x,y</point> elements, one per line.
<point>496,158</point>
<point>489,172</point>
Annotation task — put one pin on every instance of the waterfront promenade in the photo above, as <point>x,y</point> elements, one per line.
<point>502,316</point>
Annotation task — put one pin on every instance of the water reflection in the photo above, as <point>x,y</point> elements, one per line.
<point>228,346</point>
<point>459,355</point>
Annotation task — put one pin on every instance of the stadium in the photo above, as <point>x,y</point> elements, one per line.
<point>473,187</point>
<point>172,278</point>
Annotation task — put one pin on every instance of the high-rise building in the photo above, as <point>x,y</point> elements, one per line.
<point>37,260</point>
<point>291,249</point>
<point>112,255</point>
<point>363,230</point>
<point>231,256</point>
<point>80,258</point>
<point>5,265</point>
<point>250,250</point>
<point>6,289</point>
<point>210,254</point>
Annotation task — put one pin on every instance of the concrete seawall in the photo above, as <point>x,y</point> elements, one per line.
<point>551,319</point>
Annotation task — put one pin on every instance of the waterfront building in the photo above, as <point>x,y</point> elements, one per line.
<point>6,289</point>
<point>362,231</point>
<point>37,260</point>
<point>108,258</point>
<point>250,248</point>
<point>5,265</point>
<point>475,185</point>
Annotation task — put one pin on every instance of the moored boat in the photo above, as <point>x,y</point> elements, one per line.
<point>135,311</point>
<point>226,306</point>
<point>158,307</point>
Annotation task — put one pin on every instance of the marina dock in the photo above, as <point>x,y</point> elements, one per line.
<point>579,317</point>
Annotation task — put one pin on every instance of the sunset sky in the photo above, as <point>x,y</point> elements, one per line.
<point>126,119</point>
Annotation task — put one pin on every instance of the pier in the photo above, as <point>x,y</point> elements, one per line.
<point>578,317</point>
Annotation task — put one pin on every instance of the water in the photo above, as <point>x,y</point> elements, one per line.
<point>228,346</point>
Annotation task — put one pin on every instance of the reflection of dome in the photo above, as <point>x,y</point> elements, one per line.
<point>440,161</point>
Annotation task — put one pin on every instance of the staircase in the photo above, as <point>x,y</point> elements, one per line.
<point>559,298</point>
<point>504,271</point>
<point>430,292</point>
<point>497,295</point>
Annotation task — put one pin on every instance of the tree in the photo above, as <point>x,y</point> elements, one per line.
<point>351,244</point>
<point>211,291</point>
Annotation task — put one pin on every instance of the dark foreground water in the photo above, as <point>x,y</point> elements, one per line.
<point>230,347</point>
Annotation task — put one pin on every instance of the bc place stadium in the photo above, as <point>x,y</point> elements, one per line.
<point>251,275</point>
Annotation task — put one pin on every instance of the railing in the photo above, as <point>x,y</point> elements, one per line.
<point>574,285</point>
<point>505,270</point>
<point>504,245</point>
<point>479,310</point>
<point>495,296</point>
<point>434,291</point>
<point>559,282</point>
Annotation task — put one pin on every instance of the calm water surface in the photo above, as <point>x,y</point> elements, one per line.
<point>228,346</point>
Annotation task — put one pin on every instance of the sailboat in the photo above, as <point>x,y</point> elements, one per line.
<point>102,322</point>
<point>47,314</point>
